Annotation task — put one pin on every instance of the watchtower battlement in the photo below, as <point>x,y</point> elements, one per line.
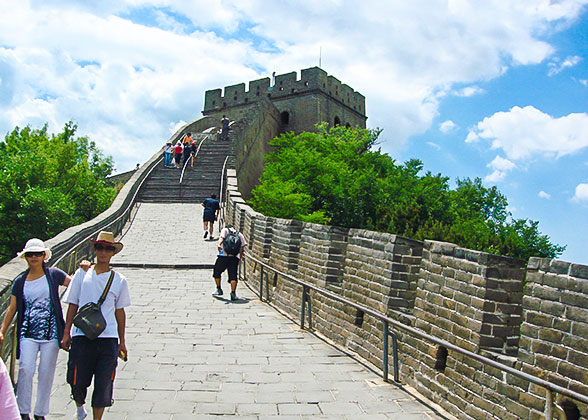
<point>330,100</point>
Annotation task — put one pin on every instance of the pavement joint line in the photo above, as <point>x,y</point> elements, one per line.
<point>167,266</point>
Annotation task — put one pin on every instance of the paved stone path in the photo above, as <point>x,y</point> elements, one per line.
<point>192,356</point>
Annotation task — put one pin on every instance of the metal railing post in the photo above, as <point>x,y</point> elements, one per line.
<point>548,404</point>
<point>395,356</point>
<point>267,295</point>
<point>261,284</point>
<point>304,294</point>
<point>385,351</point>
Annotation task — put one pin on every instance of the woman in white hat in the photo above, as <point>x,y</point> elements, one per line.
<point>40,324</point>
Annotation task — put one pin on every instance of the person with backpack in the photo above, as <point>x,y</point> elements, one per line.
<point>231,245</point>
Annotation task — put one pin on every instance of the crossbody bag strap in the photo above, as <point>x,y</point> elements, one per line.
<point>106,289</point>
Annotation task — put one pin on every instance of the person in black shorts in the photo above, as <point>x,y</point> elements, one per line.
<point>227,261</point>
<point>211,210</point>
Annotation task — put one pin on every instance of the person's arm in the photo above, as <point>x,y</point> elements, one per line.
<point>121,322</point>
<point>72,310</point>
<point>8,317</point>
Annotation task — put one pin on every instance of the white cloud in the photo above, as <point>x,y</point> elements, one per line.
<point>500,168</point>
<point>544,195</point>
<point>557,66</point>
<point>434,145</point>
<point>524,132</point>
<point>144,77</point>
<point>581,193</point>
<point>447,126</point>
<point>584,82</point>
<point>469,91</point>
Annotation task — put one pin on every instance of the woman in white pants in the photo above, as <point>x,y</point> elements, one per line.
<point>40,323</point>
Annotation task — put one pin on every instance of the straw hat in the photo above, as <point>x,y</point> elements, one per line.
<point>107,238</point>
<point>35,245</point>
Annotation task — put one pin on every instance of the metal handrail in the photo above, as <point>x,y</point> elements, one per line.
<point>549,386</point>
<point>221,221</point>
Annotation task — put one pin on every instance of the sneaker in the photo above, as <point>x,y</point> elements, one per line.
<point>39,417</point>
<point>234,296</point>
<point>219,292</point>
<point>24,417</point>
<point>205,234</point>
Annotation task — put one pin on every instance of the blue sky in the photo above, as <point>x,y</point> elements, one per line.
<point>495,89</point>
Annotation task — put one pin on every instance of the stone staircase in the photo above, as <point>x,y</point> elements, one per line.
<point>198,183</point>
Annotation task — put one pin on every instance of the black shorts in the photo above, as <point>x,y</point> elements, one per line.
<point>224,263</point>
<point>209,216</point>
<point>92,358</point>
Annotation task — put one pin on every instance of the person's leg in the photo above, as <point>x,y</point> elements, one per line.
<point>233,264</point>
<point>219,267</point>
<point>106,363</point>
<point>211,228</point>
<point>97,412</point>
<point>205,228</point>
<point>26,369</point>
<point>80,369</point>
<point>47,362</point>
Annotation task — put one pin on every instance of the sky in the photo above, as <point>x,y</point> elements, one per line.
<point>495,89</point>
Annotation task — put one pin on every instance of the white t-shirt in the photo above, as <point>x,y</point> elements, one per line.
<point>39,321</point>
<point>88,287</point>
<point>225,232</point>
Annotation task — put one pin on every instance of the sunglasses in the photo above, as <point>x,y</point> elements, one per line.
<point>35,254</point>
<point>100,247</point>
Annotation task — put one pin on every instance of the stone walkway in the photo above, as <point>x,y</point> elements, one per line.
<point>192,356</point>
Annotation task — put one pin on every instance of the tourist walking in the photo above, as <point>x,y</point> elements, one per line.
<point>96,358</point>
<point>187,152</point>
<point>178,154</point>
<point>193,153</point>
<point>231,245</point>
<point>225,128</point>
<point>39,326</point>
<point>167,154</point>
<point>210,215</point>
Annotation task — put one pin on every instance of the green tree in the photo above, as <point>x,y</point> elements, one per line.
<point>48,183</point>
<point>334,176</point>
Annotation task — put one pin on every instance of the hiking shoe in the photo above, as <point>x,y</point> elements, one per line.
<point>234,296</point>
<point>205,234</point>
<point>219,292</point>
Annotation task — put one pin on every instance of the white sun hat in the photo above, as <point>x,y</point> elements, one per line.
<point>35,245</point>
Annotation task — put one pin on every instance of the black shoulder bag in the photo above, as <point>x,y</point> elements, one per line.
<point>89,317</point>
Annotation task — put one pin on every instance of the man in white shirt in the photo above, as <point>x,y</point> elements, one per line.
<point>231,245</point>
<point>96,358</point>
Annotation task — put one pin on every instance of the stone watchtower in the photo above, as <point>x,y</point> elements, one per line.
<point>301,104</point>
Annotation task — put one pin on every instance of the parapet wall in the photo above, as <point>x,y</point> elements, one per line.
<point>532,318</point>
<point>311,79</point>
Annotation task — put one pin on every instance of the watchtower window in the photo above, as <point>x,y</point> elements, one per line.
<point>246,100</point>
<point>306,83</point>
<point>285,118</point>
<point>281,88</point>
<point>224,104</point>
<point>214,102</point>
<point>441,359</point>
<point>337,121</point>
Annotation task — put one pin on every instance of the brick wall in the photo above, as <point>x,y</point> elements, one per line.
<point>531,318</point>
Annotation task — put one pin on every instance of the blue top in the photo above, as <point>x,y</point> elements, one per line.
<point>211,205</point>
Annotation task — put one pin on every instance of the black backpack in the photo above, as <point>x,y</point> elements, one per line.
<point>232,243</point>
